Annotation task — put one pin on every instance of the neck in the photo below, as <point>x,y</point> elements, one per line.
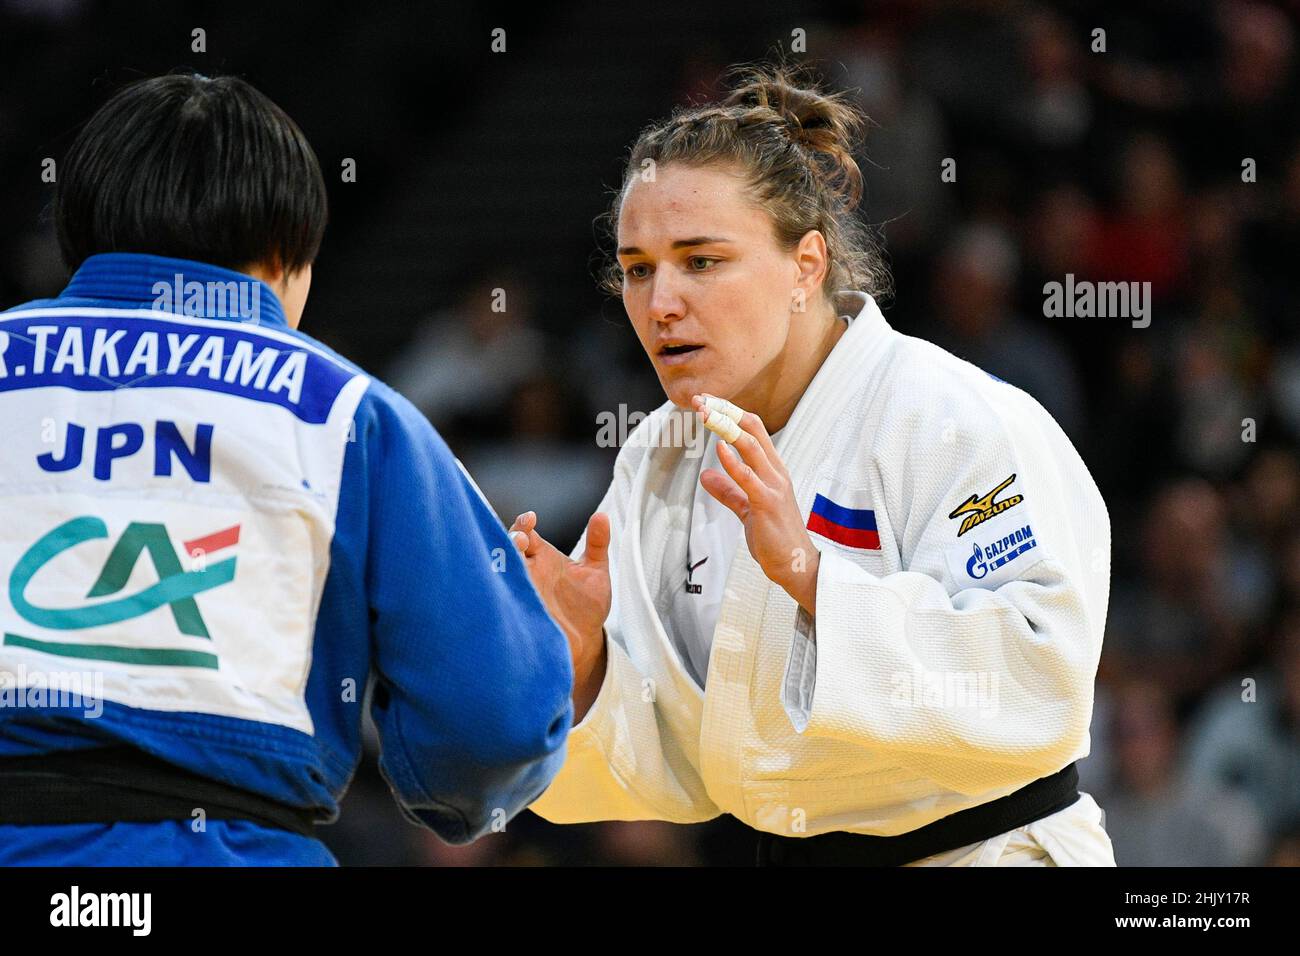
<point>773,395</point>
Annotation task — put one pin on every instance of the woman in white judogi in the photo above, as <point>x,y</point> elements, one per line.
<point>868,628</point>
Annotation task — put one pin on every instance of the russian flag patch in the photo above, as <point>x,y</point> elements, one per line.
<point>855,527</point>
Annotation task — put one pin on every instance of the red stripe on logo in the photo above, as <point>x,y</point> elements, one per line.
<point>853,537</point>
<point>213,542</point>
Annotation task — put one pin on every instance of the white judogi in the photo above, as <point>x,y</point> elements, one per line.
<point>695,579</point>
<point>949,666</point>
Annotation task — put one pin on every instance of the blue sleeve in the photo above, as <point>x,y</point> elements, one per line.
<point>472,677</point>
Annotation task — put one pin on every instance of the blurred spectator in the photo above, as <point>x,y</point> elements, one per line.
<point>1289,562</point>
<point>977,274</point>
<point>465,360</point>
<point>1056,109</point>
<point>1264,508</point>
<point>1211,398</point>
<point>1270,499</point>
<point>1286,848</point>
<point>1255,93</point>
<point>1183,621</point>
<point>546,460</point>
<point>1062,226</point>
<point>1143,238</point>
<point>1132,447</point>
<point>1154,817</point>
<point>609,365</point>
<point>1247,737</point>
<point>905,145</point>
<point>1285,387</point>
<point>1269,239</point>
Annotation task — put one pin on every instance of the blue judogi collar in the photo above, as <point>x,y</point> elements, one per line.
<point>139,279</point>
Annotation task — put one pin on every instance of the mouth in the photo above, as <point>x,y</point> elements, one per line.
<point>678,354</point>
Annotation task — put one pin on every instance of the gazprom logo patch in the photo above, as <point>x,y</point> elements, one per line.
<point>1001,552</point>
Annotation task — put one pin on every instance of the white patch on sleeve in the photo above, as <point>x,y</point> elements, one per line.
<point>995,552</point>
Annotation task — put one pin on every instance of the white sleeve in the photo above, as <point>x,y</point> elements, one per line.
<point>618,766</point>
<point>975,664</point>
<point>621,762</point>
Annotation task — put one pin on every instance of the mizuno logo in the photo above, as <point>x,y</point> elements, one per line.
<point>977,510</point>
<point>690,569</point>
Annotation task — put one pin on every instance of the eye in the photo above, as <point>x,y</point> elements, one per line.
<point>707,260</point>
<point>631,273</point>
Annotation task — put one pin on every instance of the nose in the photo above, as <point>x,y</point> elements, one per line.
<point>666,303</point>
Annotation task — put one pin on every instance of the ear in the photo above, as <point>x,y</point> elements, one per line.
<point>270,272</point>
<point>812,262</point>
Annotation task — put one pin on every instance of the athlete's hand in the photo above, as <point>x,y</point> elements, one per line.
<point>757,489</point>
<point>576,593</point>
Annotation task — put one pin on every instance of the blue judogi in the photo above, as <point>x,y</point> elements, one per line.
<point>231,533</point>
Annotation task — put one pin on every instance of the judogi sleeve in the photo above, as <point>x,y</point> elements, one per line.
<point>620,763</point>
<point>975,664</point>
<point>472,678</point>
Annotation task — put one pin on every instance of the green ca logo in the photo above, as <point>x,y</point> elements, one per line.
<point>175,587</point>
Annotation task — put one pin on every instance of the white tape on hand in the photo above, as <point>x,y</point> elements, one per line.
<point>724,427</point>
<point>734,412</point>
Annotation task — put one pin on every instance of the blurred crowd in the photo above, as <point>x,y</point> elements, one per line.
<point>1171,156</point>
<point>1127,165</point>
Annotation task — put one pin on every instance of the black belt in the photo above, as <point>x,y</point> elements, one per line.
<point>1039,799</point>
<point>123,784</point>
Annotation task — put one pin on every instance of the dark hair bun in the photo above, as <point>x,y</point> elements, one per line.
<point>823,123</point>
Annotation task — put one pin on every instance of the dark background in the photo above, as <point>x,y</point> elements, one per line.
<point>479,171</point>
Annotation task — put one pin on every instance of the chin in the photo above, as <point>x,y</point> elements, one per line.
<point>681,388</point>
<point>681,393</point>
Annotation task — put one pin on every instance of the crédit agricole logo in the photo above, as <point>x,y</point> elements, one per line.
<point>175,589</point>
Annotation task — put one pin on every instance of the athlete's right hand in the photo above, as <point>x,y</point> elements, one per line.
<point>577,594</point>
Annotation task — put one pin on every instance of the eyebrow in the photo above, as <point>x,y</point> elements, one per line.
<point>678,244</point>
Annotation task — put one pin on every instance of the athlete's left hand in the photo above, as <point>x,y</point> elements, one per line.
<point>758,490</point>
